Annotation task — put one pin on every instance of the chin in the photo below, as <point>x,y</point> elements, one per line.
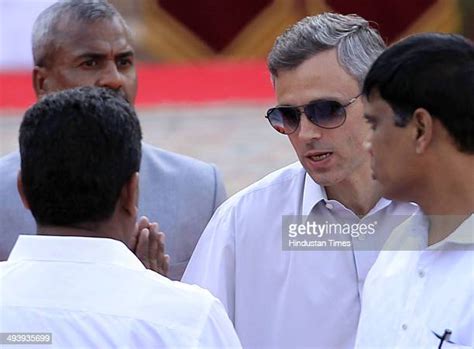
<point>325,179</point>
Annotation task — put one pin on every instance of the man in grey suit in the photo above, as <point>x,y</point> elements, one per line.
<point>84,42</point>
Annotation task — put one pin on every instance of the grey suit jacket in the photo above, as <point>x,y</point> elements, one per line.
<point>179,192</point>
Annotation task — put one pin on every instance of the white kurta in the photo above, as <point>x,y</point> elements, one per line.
<point>94,293</point>
<point>414,292</point>
<point>287,299</point>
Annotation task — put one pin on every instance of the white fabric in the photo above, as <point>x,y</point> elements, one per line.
<point>94,293</point>
<point>286,299</point>
<point>414,291</point>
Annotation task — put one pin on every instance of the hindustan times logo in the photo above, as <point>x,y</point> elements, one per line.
<point>321,230</point>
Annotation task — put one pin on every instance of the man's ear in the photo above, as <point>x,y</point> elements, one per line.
<point>40,74</point>
<point>19,185</point>
<point>129,195</point>
<point>423,124</point>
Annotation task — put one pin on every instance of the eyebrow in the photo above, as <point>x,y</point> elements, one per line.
<point>335,99</point>
<point>90,55</point>
<point>102,55</point>
<point>126,54</point>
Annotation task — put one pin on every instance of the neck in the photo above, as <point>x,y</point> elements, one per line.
<point>360,192</point>
<point>447,197</point>
<point>442,226</point>
<point>82,230</point>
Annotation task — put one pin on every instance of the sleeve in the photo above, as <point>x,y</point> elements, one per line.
<point>212,265</point>
<point>218,331</point>
<point>220,193</point>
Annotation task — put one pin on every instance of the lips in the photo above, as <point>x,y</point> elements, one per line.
<point>318,156</point>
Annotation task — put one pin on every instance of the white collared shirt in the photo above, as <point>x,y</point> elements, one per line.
<point>94,293</point>
<point>414,292</point>
<point>286,299</point>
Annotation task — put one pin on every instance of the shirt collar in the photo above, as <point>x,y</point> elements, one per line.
<point>416,236</point>
<point>419,227</point>
<point>381,204</point>
<point>74,249</point>
<point>464,234</point>
<point>313,193</point>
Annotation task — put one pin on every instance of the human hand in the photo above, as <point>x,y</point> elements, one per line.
<point>148,244</point>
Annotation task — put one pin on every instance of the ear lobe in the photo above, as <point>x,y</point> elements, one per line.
<point>423,122</point>
<point>129,195</point>
<point>19,185</point>
<point>40,75</point>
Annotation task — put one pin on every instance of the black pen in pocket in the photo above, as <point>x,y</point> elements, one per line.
<point>444,338</point>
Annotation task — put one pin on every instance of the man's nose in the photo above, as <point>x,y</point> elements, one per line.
<point>308,130</point>
<point>110,77</point>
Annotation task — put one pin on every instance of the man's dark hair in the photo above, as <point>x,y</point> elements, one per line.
<point>78,148</point>
<point>433,71</point>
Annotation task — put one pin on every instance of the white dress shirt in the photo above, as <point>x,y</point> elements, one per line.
<point>287,299</point>
<point>94,293</point>
<point>414,293</point>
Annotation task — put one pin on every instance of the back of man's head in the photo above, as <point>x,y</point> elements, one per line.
<point>46,29</point>
<point>78,149</point>
<point>433,71</point>
<point>357,44</point>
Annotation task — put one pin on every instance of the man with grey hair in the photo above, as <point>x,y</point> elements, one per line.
<point>288,280</point>
<point>87,42</point>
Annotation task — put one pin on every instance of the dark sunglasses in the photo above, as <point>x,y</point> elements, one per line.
<point>323,113</point>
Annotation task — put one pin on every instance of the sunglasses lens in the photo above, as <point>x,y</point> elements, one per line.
<point>327,114</point>
<point>284,119</point>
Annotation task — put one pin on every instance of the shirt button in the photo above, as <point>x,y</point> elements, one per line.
<point>329,206</point>
<point>421,273</point>
<point>404,327</point>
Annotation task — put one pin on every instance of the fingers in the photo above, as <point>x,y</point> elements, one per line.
<point>142,250</point>
<point>154,249</point>
<point>150,246</point>
<point>166,265</point>
<point>159,261</point>
<point>142,223</point>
